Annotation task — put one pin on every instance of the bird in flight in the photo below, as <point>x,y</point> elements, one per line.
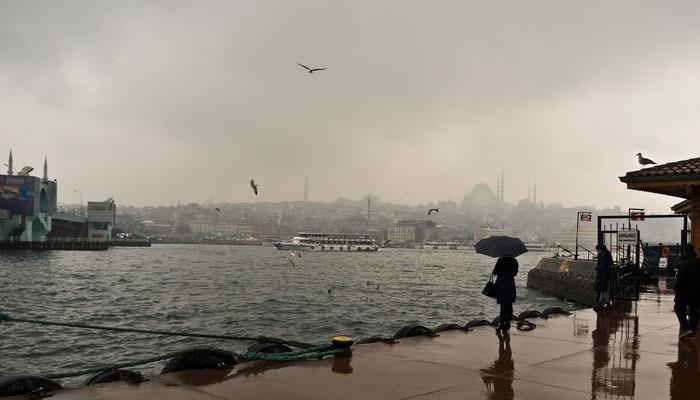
<point>254,186</point>
<point>218,209</point>
<point>433,209</point>
<point>644,161</point>
<point>311,70</point>
<point>295,253</point>
<point>290,261</point>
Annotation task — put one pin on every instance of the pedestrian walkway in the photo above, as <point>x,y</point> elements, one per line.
<point>631,351</point>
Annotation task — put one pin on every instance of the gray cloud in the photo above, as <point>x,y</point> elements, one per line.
<point>165,101</point>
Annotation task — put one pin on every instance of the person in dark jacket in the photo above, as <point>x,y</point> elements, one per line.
<point>603,276</point>
<point>687,287</point>
<point>505,270</point>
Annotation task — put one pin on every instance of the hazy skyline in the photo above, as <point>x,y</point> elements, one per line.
<point>157,102</point>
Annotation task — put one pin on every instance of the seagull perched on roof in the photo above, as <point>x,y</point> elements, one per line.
<point>311,70</point>
<point>433,209</point>
<point>644,161</point>
<point>254,186</point>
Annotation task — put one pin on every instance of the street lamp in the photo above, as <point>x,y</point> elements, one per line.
<point>81,200</point>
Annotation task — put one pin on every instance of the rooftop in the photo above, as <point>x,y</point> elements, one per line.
<point>673,179</point>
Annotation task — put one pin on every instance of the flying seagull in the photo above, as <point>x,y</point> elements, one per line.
<point>295,253</point>
<point>432,209</point>
<point>644,161</point>
<point>254,186</point>
<point>311,70</point>
<point>218,209</point>
<point>290,261</point>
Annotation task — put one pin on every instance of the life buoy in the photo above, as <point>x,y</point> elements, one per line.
<point>665,251</point>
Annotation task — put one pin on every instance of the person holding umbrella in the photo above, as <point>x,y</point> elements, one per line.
<point>506,248</point>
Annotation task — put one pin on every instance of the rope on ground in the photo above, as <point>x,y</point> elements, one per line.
<point>293,343</point>
<point>312,353</point>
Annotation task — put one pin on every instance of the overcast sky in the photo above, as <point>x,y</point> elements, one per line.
<point>163,101</point>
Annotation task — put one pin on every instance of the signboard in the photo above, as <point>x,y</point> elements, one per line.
<point>586,217</point>
<point>628,237</point>
<point>663,262</point>
<point>637,215</point>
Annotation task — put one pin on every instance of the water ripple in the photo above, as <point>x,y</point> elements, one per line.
<point>229,290</point>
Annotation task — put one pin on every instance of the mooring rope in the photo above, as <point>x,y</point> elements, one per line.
<point>267,339</point>
<point>307,351</point>
<point>312,353</point>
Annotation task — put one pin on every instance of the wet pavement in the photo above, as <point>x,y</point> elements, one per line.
<point>629,352</point>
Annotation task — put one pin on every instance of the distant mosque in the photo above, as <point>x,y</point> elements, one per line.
<point>27,204</point>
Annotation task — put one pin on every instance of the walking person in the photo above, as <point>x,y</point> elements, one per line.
<point>687,298</point>
<point>505,270</point>
<point>505,248</point>
<point>603,276</point>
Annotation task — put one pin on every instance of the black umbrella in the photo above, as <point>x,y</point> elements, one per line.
<point>501,246</point>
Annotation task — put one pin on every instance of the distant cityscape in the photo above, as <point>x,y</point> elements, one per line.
<point>481,213</point>
<point>30,212</point>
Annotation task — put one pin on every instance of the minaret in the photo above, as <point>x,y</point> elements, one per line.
<point>534,194</point>
<point>369,196</point>
<point>498,186</point>
<point>503,185</point>
<point>9,165</point>
<point>46,170</point>
<point>528,193</point>
<point>306,188</point>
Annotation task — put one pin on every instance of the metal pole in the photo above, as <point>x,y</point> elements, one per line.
<point>578,217</point>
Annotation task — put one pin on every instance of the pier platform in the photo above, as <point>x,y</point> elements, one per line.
<point>629,352</point>
<point>56,244</point>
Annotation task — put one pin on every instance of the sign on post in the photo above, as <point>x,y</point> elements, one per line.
<point>663,262</point>
<point>628,237</point>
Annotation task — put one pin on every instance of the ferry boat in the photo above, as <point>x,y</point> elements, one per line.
<point>329,242</point>
<point>538,247</point>
<point>440,245</point>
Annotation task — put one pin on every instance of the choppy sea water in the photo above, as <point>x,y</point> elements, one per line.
<point>234,290</point>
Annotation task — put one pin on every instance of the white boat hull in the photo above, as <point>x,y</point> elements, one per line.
<point>323,247</point>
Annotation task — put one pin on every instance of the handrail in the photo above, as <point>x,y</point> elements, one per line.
<point>588,252</point>
<point>574,253</point>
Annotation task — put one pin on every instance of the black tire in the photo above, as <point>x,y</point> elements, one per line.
<point>448,327</point>
<point>413,330</point>
<point>476,322</point>
<point>377,339</point>
<point>268,348</point>
<point>202,358</point>
<point>554,310</point>
<point>530,314</point>
<point>115,375</point>
<point>17,385</point>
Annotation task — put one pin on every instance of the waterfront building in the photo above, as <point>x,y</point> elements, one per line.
<point>411,230</point>
<point>101,217</point>
<point>678,179</point>
<point>211,225</point>
<point>27,204</point>
<point>267,227</point>
<point>401,233</point>
<point>486,231</point>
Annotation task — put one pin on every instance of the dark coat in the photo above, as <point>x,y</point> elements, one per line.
<point>505,270</point>
<point>688,281</point>
<point>603,272</point>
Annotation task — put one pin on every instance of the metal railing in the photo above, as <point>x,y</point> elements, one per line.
<point>574,253</point>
